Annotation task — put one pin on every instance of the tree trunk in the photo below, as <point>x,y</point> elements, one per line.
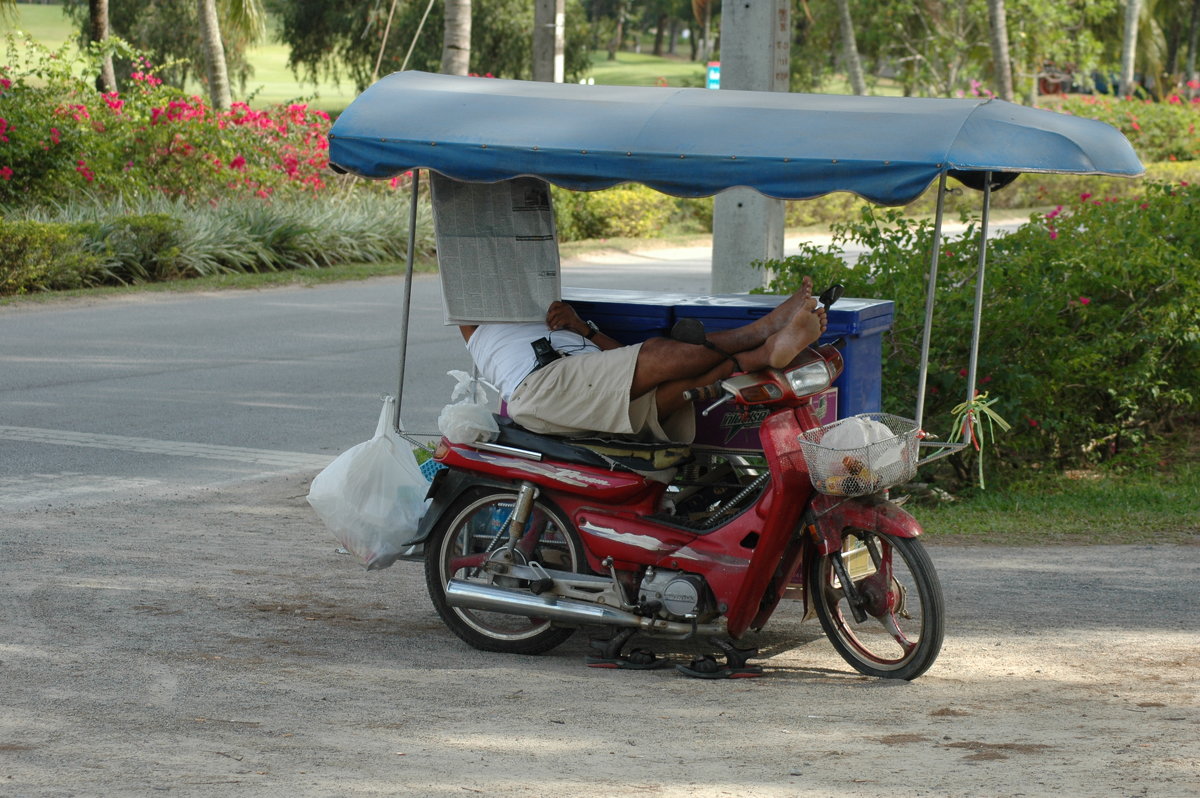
<point>1193,31</point>
<point>660,31</point>
<point>214,55</point>
<point>1129,46</point>
<point>98,32</point>
<point>1001,63</point>
<point>456,43</point>
<point>854,70</point>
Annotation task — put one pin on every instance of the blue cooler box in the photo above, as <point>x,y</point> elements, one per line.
<point>627,316</point>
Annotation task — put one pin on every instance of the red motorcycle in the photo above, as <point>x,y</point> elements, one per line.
<point>530,537</point>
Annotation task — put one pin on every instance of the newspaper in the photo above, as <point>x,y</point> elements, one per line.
<point>497,249</point>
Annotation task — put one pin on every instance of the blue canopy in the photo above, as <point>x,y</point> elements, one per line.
<point>697,142</point>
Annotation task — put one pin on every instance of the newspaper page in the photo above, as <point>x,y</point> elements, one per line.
<point>497,249</point>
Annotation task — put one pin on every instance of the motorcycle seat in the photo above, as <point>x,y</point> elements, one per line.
<point>627,454</point>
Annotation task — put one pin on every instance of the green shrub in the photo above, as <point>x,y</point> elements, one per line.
<point>1091,334</point>
<point>36,256</point>
<point>630,211</point>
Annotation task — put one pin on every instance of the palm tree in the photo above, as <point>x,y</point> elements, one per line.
<point>1133,10</point>
<point>98,31</point>
<point>248,17</point>
<point>850,49</point>
<point>998,17</point>
<point>456,40</point>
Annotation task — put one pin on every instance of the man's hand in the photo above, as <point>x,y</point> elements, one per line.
<point>562,316</point>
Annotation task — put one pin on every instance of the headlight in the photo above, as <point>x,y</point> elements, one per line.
<point>810,378</point>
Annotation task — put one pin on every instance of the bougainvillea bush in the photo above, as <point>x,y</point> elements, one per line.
<point>59,137</point>
<point>1159,131</point>
<point>1091,323</point>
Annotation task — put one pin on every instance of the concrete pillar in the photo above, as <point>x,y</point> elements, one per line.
<point>755,55</point>
<point>549,19</point>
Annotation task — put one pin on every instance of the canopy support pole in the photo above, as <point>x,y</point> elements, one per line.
<point>407,303</point>
<point>930,297</point>
<point>979,276</point>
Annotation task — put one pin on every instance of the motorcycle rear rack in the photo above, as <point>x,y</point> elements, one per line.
<point>946,448</point>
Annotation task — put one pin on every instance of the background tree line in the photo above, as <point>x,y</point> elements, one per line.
<point>1014,48</point>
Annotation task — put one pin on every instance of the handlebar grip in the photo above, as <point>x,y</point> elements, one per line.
<point>714,391</point>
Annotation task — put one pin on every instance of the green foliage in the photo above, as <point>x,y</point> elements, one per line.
<point>36,256</point>
<point>168,32</point>
<point>156,239</point>
<point>629,211</point>
<point>1091,336</point>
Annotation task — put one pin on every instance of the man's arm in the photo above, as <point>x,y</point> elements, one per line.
<point>562,316</point>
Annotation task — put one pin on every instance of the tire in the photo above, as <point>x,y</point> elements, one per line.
<point>461,540</point>
<point>902,634</point>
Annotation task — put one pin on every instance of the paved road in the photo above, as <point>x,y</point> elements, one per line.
<point>161,392</point>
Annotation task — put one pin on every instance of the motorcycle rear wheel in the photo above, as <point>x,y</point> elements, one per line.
<point>902,634</point>
<point>463,539</point>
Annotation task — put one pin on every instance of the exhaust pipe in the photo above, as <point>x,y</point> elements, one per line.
<point>490,598</point>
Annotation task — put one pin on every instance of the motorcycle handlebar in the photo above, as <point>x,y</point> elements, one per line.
<point>714,391</point>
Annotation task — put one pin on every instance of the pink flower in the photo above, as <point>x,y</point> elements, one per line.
<point>1053,234</point>
<point>1193,84</point>
<point>1054,212</point>
<point>82,168</point>
<point>238,163</point>
<point>5,83</point>
<point>3,128</point>
<point>1084,197</point>
<point>6,173</point>
<point>1084,300</point>
<point>54,136</point>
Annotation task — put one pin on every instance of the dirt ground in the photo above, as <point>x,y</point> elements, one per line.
<point>216,644</point>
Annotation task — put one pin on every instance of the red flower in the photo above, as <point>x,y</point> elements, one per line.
<point>238,163</point>
<point>6,173</point>
<point>1084,300</point>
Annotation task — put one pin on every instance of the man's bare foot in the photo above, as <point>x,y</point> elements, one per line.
<point>802,330</point>
<point>781,316</point>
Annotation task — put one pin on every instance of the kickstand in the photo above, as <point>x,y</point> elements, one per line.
<point>735,666</point>
<point>640,659</point>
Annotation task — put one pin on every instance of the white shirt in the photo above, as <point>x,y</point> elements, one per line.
<point>503,353</point>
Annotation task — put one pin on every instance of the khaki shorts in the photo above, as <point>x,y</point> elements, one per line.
<point>589,393</point>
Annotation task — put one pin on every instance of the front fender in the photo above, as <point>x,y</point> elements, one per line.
<point>834,515</point>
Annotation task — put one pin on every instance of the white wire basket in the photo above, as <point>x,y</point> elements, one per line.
<point>862,454</point>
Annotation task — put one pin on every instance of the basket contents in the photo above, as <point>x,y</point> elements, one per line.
<point>861,454</point>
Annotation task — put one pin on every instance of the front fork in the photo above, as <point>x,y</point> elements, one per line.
<point>865,574</point>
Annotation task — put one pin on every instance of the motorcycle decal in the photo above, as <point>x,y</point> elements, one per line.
<point>564,475</point>
<point>688,553</point>
<point>740,420</point>
<point>627,538</point>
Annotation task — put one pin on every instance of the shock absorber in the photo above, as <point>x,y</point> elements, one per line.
<point>728,507</point>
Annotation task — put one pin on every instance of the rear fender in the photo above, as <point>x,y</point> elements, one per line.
<point>871,513</point>
<point>448,484</point>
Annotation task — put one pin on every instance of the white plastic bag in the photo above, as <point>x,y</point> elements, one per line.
<point>467,419</point>
<point>372,495</point>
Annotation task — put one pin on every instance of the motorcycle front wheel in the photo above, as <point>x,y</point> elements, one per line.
<point>462,541</point>
<point>901,632</point>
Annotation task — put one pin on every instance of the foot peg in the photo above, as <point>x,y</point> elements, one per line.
<point>735,666</point>
<point>639,659</point>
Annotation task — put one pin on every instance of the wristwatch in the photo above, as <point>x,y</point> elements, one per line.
<point>592,330</point>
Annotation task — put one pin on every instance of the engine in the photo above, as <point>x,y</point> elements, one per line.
<point>675,595</point>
